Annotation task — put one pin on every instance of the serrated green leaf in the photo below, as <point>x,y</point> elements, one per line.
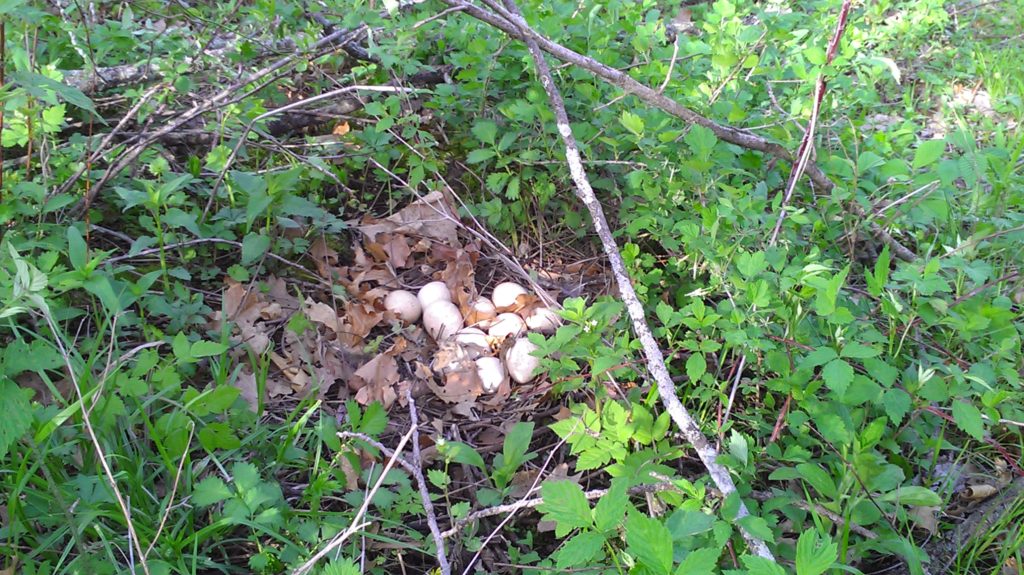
<point>650,542</point>
<point>485,131</point>
<point>209,491</point>
<point>837,375</point>
<point>581,551</point>
<point>928,152</point>
<point>17,409</point>
<point>699,562</point>
<point>968,418</point>
<point>761,566</point>
<point>696,367</point>
<point>611,508</point>
<point>856,350</point>
<point>819,356</point>
<point>254,245</point>
<point>477,156</point>
<point>633,123</point>
<point>566,505</point>
<point>814,554</point>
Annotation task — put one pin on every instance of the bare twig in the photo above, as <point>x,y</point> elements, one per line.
<point>652,352</point>
<point>428,506</point>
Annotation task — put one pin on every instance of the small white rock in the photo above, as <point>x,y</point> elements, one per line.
<point>433,292</point>
<point>492,373</point>
<point>404,305</point>
<point>507,324</point>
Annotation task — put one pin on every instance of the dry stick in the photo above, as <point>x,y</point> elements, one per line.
<point>742,138</point>
<point>428,506</point>
<point>357,520</point>
<point>655,359</point>
<point>807,143</point>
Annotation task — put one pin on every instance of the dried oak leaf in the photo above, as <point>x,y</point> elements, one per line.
<point>375,380</point>
<point>429,217</point>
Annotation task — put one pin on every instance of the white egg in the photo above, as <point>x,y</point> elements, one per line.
<point>520,363</point>
<point>442,320</point>
<point>543,320</point>
<point>433,292</point>
<point>505,294</point>
<point>472,336</point>
<point>507,324</point>
<point>404,305</point>
<point>492,373</point>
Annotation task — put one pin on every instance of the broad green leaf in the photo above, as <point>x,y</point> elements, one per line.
<point>581,551</point>
<point>204,348</point>
<point>78,252</point>
<point>566,505</point>
<point>928,152</point>
<point>696,366</point>
<point>814,554</point>
<point>39,86</point>
<point>757,526</point>
<point>699,562</point>
<point>968,418</point>
<point>254,245</point>
<point>462,453</point>
<point>485,131</point>
<point>913,495</point>
<point>856,350</point>
<point>611,508</point>
<point>818,478</point>
<point>819,356</point>
<point>837,375</point>
<point>650,543</point>
<point>17,409</point>
<point>761,566</point>
<point>477,156</point>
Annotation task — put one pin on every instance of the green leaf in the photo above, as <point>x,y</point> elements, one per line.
<point>17,408</point>
<point>650,542</point>
<point>633,123</point>
<point>757,526</point>
<point>461,453</point>
<point>78,252</point>
<point>39,86</point>
<point>968,418</point>
<point>699,562</point>
<point>611,508</point>
<point>254,245</point>
<point>819,356</point>
<point>913,495</point>
<point>761,566</point>
<point>566,505</point>
<point>876,281</point>
<point>581,551</point>
<point>696,367</point>
<point>209,491</point>
<point>814,554</point>
<point>856,350</point>
<point>485,131</point>
<point>818,478</point>
<point>897,403</point>
<point>477,156</point>
<point>928,152</point>
<point>837,375</point>
<point>203,348</point>
<point>181,347</point>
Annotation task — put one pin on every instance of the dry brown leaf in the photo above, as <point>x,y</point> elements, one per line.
<point>341,129</point>
<point>323,314</point>
<point>460,385</point>
<point>976,492</point>
<point>429,217</point>
<point>375,380</point>
<point>926,518</point>
<point>246,383</point>
<point>398,251</point>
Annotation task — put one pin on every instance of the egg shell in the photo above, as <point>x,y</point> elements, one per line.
<point>505,294</point>
<point>481,313</point>
<point>520,364</point>
<point>433,292</point>
<point>442,320</point>
<point>507,324</point>
<point>404,305</point>
<point>543,320</point>
<point>472,336</point>
<point>492,373</point>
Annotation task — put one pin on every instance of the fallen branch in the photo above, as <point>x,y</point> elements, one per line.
<point>652,352</point>
<point>739,137</point>
<point>428,506</point>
